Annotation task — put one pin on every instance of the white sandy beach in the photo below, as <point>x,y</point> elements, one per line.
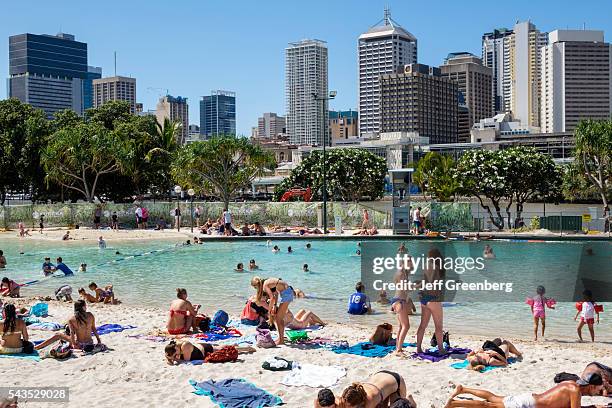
<point>134,372</point>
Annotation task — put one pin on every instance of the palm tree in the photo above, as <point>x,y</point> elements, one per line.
<point>166,145</point>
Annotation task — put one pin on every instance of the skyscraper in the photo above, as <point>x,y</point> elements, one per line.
<point>495,56</point>
<point>175,109</point>
<point>92,73</point>
<point>270,125</point>
<point>576,79</point>
<point>47,71</point>
<point>474,81</point>
<point>421,100</point>
<point>115,88</point>
<point>306,75</point>
<point>218,114</point>
<point>383,49</point>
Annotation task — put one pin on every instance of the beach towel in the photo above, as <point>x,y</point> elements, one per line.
<point>235,393</point>
<point>112,328</point>
<point>315,376</point>
<point>47,326</point>
<point>465,364</point>
<point>434,357</point>
<point>367,349</point>
<point>33,356</point>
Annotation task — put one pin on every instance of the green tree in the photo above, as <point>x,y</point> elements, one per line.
<point>351,175</point>
<point>161,154</point>
<point>435,173</point>
<point>221,166</point>
<point>593,151</point>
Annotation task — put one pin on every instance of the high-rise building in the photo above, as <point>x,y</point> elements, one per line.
<point>383,49</point>
<point>343,125</point>
<point>522,93</point>
<point>495,56</point>
<point>474,81</point>
<point>218,114</point>
<point>306,76</point>
<point>175,109</point>
<point>421,100</point>
<point>270,125</point>
<point>47,71</point>
<point>117,88</point>
<point>92,73</point>
<point>576,82</point>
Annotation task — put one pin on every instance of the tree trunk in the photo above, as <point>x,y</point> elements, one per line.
<point>509,214</point>
<point>491,217</point>
<point>499,223</point>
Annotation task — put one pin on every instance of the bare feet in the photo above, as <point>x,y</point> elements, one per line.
<point>458,390</point>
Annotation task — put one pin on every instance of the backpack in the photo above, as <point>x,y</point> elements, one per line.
<point>220,319</point>
<point>225,355</point>
<point>264,339</point>
<point>445,339</point>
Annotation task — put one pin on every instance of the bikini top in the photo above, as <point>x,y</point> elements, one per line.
<point>274,288</point>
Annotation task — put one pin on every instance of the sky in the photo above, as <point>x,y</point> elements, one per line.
<point>190,47</point>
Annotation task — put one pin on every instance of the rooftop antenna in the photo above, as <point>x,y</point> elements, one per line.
<point>387,15</point>
<point>115,52</point>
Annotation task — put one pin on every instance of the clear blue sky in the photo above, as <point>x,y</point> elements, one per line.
<point>193,46</point>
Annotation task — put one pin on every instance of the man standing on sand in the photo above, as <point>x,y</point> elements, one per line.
<point>227,220</point>
<point>97,216</point>
<point>177,217</point>
<point>565,395</point>
<point>81,325</point>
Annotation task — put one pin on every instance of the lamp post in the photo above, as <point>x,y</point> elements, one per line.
<point>191,193</point>
<point>324,99</point>
<point>177,219</point>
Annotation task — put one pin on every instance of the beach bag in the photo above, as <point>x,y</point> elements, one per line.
<point>27,347</point>
<point>296,335</point>
<point>225,355</point>
<point>264,339</point>
<point>445,339</point>
<point>40,310</point>
<point>382,335</point>
<point>249,313</point>
<point>220,318</point>
<point>203,323</point>
<point>62,351</point>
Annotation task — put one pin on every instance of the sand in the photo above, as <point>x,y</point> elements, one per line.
<point>133,372</point>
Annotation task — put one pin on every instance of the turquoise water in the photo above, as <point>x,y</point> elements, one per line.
<point>207,272</point>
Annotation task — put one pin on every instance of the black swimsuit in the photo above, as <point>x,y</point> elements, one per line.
<point>398,380</point>
<point>196,353</point>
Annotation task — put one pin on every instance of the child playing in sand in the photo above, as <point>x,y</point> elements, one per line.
<point>587,310</point>
<point>538,305</point>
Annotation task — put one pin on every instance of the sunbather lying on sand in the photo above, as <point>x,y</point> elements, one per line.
<point>381,389</point>
<point>494,353</point>
<point>181,350</point>
<point>565,395</point>
<point>302,319</point>
<point>604,371</point>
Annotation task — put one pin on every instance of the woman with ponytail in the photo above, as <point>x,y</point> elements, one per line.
<point>14,332</point>
<point>280,294</point>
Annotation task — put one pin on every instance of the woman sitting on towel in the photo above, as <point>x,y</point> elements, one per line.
<point>381,390</point>
<point>181,350</point>
<point>182,314</point>
<point>14,332</point>
<point>302,319</point>
<point>494,353</point>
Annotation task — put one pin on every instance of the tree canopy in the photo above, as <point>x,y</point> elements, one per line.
<point>435,173</point>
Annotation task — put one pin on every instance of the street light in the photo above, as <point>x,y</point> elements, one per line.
<point>191,193</point>
<point>323,99</point>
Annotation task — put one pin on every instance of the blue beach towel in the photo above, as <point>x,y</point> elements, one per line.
<point>367,349</point>
<point>464,364</point>
<point>113,328</point>
<point>34,356</point>
<point>47,326</point>
<point>235,393</point>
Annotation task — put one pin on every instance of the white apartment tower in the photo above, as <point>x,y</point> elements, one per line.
<point>495,56</point>
<point>576,79</point>
<point>305,76</point>
<point>383,49</point>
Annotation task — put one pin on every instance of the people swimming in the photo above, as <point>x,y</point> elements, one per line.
<point>305,268</point>
<point>538,305</point>
<point>61,266</point>
<point>587,310</point>
<point>180,350</point>
<point>47,267</point>
<point>359,304</point>
<point>380,390</point>
<point>564,395</point>
<point>280,294</point>
<point>239,267</point>
<point>252,265</point>
<point>275,249</point>
<point>103,295</point>
<point>493,353</point>
<point>101,242</point>
<point>81,327</point>
<point>308,246</point>
<point>83,267</point>
<point>14,339</point>
<point>289,250</point>
<point>487,253</point>
<point>182,314</point>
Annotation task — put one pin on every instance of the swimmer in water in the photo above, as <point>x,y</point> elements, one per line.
<point>401,249</point>
<point>239,267</point>
<point>252,265</point>
<point>83,267</point>
<point>308,246</point>
<point>275,249</point>
<point>117,253</point>
<point>305,268</point>
<point>101,242</point>
<point>488,252</point>
<point>289,250</point>
<point>268,243</point>
<point>358,253</point>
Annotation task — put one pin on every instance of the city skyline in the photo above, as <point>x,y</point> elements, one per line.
<point>261,33</point>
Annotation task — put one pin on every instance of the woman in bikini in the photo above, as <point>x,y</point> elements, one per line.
<point>494,353</point>
<point>181,350</point>
<point>399,305</point>
<point>431,300</point>
<point>14,331</point>
<point>381,390</point>
<point>105,295</point>
<point>280,294</point>
<point>182,314</point>
<point>302,319</point>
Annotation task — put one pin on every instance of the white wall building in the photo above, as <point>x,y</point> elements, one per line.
<point>495,56</point>
<point>305,75</point>
<point>383,49</point>
<point>575,80</point>
<point>175,109</point>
